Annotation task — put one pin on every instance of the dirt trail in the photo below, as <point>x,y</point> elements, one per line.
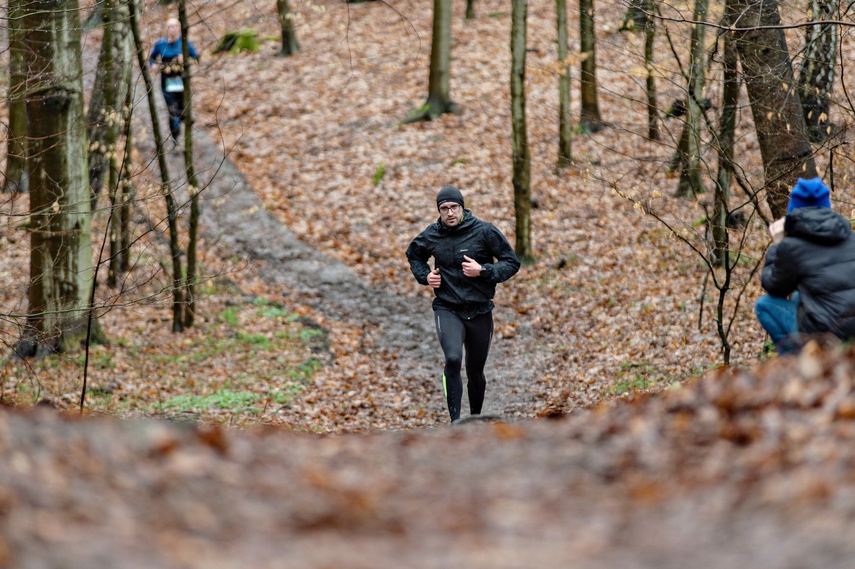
<point>232,214</point>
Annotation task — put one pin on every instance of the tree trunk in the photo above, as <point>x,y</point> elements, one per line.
<point>439,89</point>
<point>61,271</point>
<point>691,181</point>
<point>774,100</point>
<point>15,179</point>
<point>726,137</point>
<point>169,198</point>
<point>106,116</point>
<point>521,152</point>
<point>565,136</point>
<point>652,105</point>
<point>110,118</point>
<point>817,72</point>
<point>115,225</point>
<point>636,16</point>
<point>190,170</point>
<point>114,114</point>
<point>590,115</point>
<point>127,186</point>
<point>286,26</point>
<point>470,9</point>
<point>439,98</point>
<point>96,15</point>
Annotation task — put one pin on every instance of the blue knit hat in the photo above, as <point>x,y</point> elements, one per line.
<point>809,193</point>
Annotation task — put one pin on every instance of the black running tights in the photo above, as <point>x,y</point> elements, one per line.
<point>455,333</point>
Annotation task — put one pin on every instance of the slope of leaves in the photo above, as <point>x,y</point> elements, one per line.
<point>740,468</point>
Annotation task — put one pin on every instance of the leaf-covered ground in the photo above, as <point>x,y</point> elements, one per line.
<point>740,469</point>
<point>749,466</point>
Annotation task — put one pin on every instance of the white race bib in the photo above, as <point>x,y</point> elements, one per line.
<point>174,85</point>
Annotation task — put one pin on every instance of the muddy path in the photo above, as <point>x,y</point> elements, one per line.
<point>397,328</point>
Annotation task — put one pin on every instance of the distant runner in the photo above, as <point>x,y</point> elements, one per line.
<point>470,257</point>
<point>167,54</point>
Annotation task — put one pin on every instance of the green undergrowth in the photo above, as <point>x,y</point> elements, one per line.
<point>244,363</point>
<point>636,377</point>
<point>237,41</point>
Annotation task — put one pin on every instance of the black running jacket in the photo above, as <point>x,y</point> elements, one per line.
<point>474,238</point>
<point>817,258</point>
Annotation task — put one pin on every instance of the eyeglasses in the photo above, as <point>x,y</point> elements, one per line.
<point>446,209</point>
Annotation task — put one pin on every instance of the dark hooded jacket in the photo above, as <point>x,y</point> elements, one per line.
<point>817,259</point>
<point>474,238</point>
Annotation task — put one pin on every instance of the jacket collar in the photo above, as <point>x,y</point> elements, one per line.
<point>467,220</point>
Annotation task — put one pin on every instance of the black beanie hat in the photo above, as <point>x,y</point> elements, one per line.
<point>449,194</point>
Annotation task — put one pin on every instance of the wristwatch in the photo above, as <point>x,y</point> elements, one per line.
<point>485,271</point>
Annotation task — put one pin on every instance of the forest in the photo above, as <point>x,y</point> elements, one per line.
<point>231,314</point>
<point>621,191</point>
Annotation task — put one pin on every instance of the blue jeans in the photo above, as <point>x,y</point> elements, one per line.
<point>778,316</point>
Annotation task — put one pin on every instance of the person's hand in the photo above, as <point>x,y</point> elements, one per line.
<point>434,279</point>
<point>471,267</point>
<point>776,230</point>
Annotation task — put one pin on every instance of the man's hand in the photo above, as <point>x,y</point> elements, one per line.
<point>471,267</point>
<point>776,230</point>
<point>434,279</point>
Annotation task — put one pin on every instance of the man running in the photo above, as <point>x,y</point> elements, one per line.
<point>470,256</point>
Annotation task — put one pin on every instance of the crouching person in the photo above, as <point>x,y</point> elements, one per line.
<point>809,273</point>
